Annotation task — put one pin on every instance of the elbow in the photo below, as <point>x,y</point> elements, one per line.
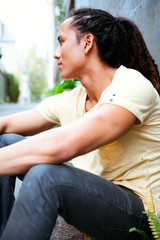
<point>59,153</point>
<point>55,147</point>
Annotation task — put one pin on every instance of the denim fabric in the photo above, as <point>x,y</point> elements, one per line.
<point>92,204</point>
<point>7,184</point>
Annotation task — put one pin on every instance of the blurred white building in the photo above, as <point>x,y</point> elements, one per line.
<point>8,49</point>
<point>4,36</point>
<point>25,94</point>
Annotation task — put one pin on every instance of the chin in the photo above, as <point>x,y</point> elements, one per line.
<point>65,77</point>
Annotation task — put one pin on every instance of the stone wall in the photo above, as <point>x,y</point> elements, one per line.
<point>145,13</point>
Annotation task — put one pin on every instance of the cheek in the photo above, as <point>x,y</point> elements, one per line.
<point>73,50</point>
<point>76,55</point>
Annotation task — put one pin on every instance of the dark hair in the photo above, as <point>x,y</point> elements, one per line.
<point>118,40</point>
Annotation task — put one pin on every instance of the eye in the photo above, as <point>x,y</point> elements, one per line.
<point>60,40</point>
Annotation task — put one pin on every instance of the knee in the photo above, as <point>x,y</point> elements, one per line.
<point>40,181</point>
<point>2,143</point>
<point>11,138</point>
<point>44,174</point>
<point>38,174</point>
<point>38,171</point>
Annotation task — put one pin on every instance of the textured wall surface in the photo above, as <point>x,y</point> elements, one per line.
<point>145,13</point>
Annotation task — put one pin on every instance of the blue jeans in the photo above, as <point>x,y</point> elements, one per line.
<point>7,184</point>
<point>92,204</point>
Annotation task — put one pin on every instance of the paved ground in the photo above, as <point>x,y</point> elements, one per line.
<point>10,108</point>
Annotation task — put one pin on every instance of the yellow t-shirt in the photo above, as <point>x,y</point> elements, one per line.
<point>134,159</point>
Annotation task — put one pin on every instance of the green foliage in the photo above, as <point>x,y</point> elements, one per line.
<point>60,18</point>
<point>64,85</point>
<point>144,235</point>
<point>12,87</point>
<point>154,223</point>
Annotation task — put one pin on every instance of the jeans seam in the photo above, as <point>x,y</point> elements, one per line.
<point>38,218</point>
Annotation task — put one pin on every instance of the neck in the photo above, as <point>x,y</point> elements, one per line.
<point>95,81</point>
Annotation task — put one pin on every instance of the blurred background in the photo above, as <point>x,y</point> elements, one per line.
<point>28,33</point>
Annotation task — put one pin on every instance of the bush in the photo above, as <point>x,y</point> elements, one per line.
<point>64,85</point>
<point>12,87</point>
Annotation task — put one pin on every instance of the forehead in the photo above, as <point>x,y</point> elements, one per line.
<point>66,27</point>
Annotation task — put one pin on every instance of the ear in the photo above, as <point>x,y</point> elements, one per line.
<point>88,42</point>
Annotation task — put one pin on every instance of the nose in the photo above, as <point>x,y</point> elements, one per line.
<point>57,53</point>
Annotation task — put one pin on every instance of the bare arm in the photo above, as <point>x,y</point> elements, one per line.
<point>26,123</point>
<point>96,129</point>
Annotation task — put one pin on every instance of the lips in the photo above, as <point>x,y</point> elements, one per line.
<point>59,65</point>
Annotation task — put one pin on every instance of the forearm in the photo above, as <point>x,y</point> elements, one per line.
<point>42,148</point>
<point>26,123</point>
<point>13,124</point>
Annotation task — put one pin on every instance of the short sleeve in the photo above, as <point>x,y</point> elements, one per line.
<point>48,109</point>
<point>131,91</point>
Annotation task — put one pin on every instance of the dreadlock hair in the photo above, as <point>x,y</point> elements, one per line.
<point>118,40</point>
